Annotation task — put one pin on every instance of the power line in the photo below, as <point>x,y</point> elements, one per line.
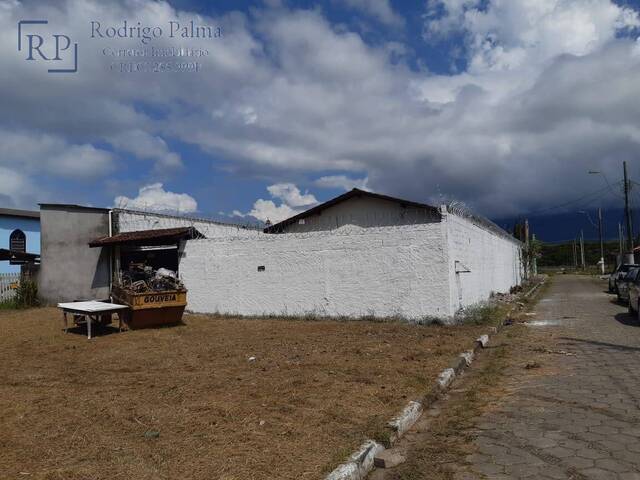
<point>606,189</point>
<point>609,185</point>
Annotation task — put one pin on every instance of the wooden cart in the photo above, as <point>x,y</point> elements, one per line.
<point>151,309</point>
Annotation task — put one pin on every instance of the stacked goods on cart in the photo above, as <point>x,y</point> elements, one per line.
<point>141,278</point>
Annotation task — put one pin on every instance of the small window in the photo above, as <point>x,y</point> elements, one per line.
<point>261,268</point>
<point>18,241</point>
<point>301,221</point>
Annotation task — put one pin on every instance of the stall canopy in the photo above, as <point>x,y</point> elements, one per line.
<point>162,236</point>
<point>10,255</point>
<point>153,248</point>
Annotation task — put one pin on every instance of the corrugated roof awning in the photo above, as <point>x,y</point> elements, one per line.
<point>148,237</point>
<point>13,256</point>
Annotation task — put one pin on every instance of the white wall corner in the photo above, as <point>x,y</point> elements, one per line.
<point>445,226</point>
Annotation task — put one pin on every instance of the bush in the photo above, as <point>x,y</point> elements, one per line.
<point>26,294</point>
<point>8,304</point>
<point>479,314</point>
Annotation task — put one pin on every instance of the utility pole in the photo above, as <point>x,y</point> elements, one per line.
<point>620,242</point>
<point>526,242</point>
<point>534,260</point>
<point>627,215</point>
<point>601,242</point>
<point>575,255</point>
<point>626,250</point>
<point>582,249</point>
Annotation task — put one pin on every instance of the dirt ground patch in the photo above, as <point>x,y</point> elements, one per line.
<point>77,409</point>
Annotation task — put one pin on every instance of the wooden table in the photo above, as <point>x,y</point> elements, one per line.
<point>91,310</point>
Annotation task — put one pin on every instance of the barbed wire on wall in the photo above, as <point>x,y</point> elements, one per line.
<point>371,221</point>
<point>344,231</point>
<point>462,210</point>
<point>156,220</point>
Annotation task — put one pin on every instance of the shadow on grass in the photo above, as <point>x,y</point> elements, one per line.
<point>96,330</point>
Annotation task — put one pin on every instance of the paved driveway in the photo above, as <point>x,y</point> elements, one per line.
<point>578,417</point>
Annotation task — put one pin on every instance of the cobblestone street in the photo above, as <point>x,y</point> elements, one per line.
<point>577,416</point>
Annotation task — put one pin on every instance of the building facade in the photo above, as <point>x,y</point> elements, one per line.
<point>19,231</point>
<point>359,255</point>
<point>71,270</point>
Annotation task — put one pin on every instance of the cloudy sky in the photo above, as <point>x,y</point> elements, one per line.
<point>502,104</point>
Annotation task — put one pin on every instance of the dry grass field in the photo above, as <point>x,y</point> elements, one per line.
<point>75,409</point>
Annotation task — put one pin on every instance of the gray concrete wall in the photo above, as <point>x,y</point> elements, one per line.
<point>69,269</point>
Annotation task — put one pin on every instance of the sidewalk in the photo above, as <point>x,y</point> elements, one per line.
<point>577,416</point>
<point>556,399</point>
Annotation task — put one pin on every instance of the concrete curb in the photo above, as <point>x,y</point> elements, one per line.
<point>468,357</point>
<point>445,378</point>
<point>405,420</point>
<point>535,287</point>
<point>361,463</point>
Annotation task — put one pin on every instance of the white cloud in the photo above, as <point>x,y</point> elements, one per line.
<point>15,189</point>
<point>34,153</point>
<point>507,34</point>
<point>291,202</point>
<point>379,9</point>
<point>291,195</point>
<point>155,198</point>
<point>265,210</point>
<point>550,89</point>
<point>146,146</point>
<point>82,161</point>
<point>342,181</point>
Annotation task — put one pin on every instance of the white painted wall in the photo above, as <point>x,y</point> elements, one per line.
<point>494,262</point>
<point>407,271</point>
<point>351,271</point>
<point>131,221</point>
<point>363,212</point>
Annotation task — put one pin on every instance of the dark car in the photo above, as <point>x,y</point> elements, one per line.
<point>624,282</point>
<point>617,273</point>
<point>634,295</point>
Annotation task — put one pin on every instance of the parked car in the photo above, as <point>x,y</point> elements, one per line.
<point>624,282</point>
<point>634,295</point>
<point>617,273</point>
